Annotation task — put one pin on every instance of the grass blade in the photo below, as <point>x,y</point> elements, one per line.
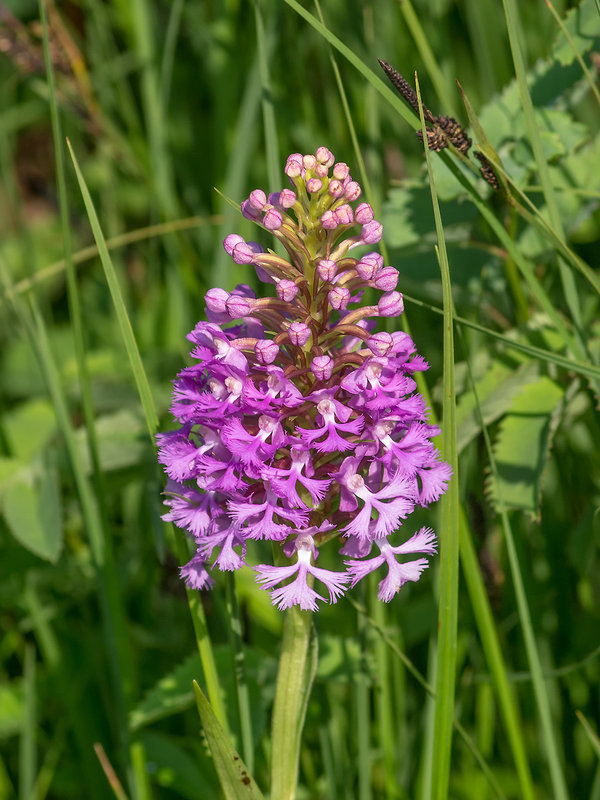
<point>235,779</point>
<point>547,733</point>
<point>449,540</point>
<point>123,318</point>
<point>515,35</point>
<point>493,654</point>
<point>270,126</point>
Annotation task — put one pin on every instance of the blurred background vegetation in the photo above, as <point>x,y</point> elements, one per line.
<point>164,102</point>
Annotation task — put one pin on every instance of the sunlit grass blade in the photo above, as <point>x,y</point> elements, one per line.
<point>516,38</point>
<point>269,123</point>
<point>243,696</point>
<point>387,709</point>
<point>495,661</point>
<point>244,137</point>
<point>115,242</point>
<point>589,370</point>
<point>237,783</point>
<point>362,711</point>
<point>125,326</point>
<point>168,57</point>
<point>430,62</point>
<point>123,663</point>
<point>356,62</point>
<point>592,736</point>
<point>547,732</point>
<point>111,776</point>
<point>155,120</point>
<point>426,685</point>
<point>449,536</point>
<point>27,745</point>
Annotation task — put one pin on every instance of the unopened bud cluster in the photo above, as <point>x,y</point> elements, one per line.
<point>299,423</point>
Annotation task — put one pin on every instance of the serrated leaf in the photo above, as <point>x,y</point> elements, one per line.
<point>236,781</point>
<point>583,26</point>
<point>522,446</point>
<point>31,505</point>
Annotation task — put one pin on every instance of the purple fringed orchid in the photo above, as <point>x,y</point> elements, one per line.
<point>299,423</point>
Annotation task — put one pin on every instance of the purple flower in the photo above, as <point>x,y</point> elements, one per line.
<point>398,572</point>
<point>299,592</point>
<point>300,423</point>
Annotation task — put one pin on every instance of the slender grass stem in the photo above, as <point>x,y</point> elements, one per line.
<point>449,547</point>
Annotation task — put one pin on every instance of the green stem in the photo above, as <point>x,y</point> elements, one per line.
<point>297,666</point>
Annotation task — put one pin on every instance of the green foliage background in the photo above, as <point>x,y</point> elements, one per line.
<point>163,102</point>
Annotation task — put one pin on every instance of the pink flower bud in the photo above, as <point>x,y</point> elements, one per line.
<point>363,213</point>
<point>329,220</point>
<point>294,166</point>
<point>321,171</point>
<point>287,198</point>
<point>341,171</point>
<point>215,300</point>
<point>335,189</point>
<point>299,333</point>
<point>257,199</point>
<point>369,266</point>
<point>286,290</point>
<point>391,304</point>
<point>229,242</point>
<point>314,185</point>
<point>352,191</point>
<point>244,252</point>
<point>344,215</point>
<point>310,162</point>
<point>372,232</point>
<point>327,270</point>
<point>238,306</point>
<point>266,351</point>
<point>339,297</point>
<point>387,279</point>
<point>272,219</point>
<point>380,344</point>
<point>322,367</point>
<point>325,156</point>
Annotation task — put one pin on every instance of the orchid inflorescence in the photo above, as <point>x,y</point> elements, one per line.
<point>299,423</point>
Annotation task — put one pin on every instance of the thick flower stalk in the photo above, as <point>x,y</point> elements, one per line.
<point>300,423</point>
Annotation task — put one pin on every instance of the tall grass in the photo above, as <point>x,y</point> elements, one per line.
<point>478,682</point>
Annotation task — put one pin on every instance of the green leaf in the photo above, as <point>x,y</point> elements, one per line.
<point>339,659</point>
<point>495,390</point>
<point>122,441</point>
<point>583,28</point>
<point>236,782</point>
<point>172,694</point>
<point>522,446</point>
<point>31,505</point>
<point>29,427</point>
